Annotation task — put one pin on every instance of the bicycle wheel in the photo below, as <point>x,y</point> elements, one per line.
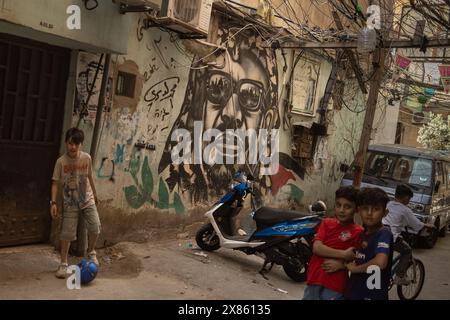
<point>416,272</point>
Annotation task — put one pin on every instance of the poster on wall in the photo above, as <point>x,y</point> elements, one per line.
<point>89,80</point>
<point>306,78</point>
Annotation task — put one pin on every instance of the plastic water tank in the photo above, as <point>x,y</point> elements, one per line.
<point>367,40</point>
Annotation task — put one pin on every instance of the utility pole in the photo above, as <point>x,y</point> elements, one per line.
<point>100,106</point>
<point>378,62</point>
<point>372,100</point>
<point>82,234</point>
<point>350,56</point>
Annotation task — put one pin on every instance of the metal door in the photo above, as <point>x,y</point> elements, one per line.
<point>33,80</point>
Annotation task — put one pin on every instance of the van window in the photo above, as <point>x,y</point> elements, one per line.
<point>440,176</point>
<point>400,168</point>
<point>421,172</point>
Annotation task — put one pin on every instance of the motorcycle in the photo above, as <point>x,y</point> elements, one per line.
<point>281,237</point>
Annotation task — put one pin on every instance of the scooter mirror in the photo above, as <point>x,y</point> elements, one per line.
<point>238,176</point>
<point>318,206</point>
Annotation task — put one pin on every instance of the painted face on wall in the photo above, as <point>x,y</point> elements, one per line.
<point>237,91</point>
<point>236,94</point>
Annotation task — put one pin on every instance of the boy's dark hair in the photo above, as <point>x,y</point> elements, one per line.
<point>403,191</point>
<point>348,193</point>
<point>372,197</point>
<point>75,135</point>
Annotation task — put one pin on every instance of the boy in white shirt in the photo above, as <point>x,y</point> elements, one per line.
<point>399,217</point>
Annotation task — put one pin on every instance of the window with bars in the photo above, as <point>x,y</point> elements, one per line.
<point>126,83</point>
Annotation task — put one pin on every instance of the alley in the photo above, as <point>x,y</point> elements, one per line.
<point>175,270</point>
<point>437,271</point>
<point>139,120</point>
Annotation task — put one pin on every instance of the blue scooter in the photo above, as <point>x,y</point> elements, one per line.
<point>281,237</point>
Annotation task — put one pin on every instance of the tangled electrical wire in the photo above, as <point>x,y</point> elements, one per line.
<point>434,10</point>
<point>399,21</point>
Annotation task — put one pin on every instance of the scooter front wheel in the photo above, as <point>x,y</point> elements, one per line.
<point>207,238</point>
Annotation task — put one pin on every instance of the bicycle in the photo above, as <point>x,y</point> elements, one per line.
<point>415,272</point>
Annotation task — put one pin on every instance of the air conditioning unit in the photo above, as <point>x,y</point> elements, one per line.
<point>186,16</point>
<point>418,118</point>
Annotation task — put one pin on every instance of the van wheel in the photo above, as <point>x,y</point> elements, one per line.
<point>430,241</point>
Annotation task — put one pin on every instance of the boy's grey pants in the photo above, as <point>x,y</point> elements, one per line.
<point>402,247</point>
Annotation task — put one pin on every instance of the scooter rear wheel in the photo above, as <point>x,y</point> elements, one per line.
<point>207,238</point>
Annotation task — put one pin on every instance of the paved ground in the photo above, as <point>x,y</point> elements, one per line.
<point>437,270</point>
<point>175,270</point>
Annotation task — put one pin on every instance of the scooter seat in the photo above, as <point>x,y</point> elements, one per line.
<point>270,216</point>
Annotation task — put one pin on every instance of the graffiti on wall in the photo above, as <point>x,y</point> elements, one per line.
<point>160,47</point>
<point>87,85</point>
<point>108,166</point>
<point>237,88</point>
<point>240,91</point>
<point>159,99</point>
<point>87,89</point>
<point>140,29</point>
<point>152,68</point>
<point>106,169</point>
<point>142,191</point>
<point>347,127</point>
<point>120,149</point>
<point>160,54</point>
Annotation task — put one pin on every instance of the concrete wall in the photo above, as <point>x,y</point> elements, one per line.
<point>102,29</point>
<point>339,147</point>
<point>142,192</point>
<point>141,189</point>
<point>385,122</point>
<point>410,130</point>
<point>309,81</point>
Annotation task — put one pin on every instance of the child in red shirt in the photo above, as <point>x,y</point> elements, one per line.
<point>336,239</point>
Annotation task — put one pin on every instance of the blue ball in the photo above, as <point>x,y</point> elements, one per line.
<point>88,271</point>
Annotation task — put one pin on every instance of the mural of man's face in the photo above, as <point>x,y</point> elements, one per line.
<point>236,95</point>
<point>235,99</point>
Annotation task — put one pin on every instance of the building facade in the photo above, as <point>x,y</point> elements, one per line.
<point>158,86</point>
